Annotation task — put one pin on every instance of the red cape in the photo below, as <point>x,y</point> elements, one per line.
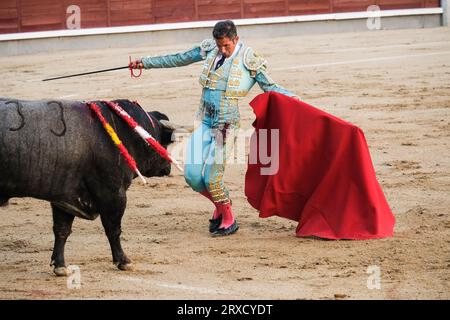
<point>325,181</point>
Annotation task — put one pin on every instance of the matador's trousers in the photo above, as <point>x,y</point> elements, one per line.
<point>207,151</point>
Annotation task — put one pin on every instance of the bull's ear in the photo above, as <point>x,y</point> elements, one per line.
<point>176,127</point>
<point>158,115</point>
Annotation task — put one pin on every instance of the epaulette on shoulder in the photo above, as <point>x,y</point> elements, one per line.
<point>208,45</point>
<point>253,61</point>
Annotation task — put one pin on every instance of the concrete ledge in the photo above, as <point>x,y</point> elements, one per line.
<point>161,34</point>
<point>445,4</point>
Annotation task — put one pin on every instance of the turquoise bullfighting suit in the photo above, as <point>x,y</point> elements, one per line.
<point>212,141</point>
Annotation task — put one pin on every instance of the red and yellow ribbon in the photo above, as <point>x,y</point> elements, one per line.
<point>123,150</point>
<point>147,137</point>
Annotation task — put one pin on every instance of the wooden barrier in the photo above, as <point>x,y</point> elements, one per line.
<point>41,15</point>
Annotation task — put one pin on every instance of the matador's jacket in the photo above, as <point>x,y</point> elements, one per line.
<point>211,143</point>
<point>222,88</point>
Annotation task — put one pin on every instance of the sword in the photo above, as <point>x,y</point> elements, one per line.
<point>99,71</point>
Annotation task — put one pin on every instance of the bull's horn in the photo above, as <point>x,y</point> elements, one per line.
<point>176,127</point>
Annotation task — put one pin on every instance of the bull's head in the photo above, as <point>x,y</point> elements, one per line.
<point>166,132</point>
<point>167,136</point>
<point>162,167</point>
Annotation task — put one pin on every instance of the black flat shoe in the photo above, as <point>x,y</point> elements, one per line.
<point>214,224</point>
<point>226,231</point>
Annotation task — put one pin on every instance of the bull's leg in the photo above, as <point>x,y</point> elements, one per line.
<point>112,220</point>
<point>62,228</point>
<point>3,201</point>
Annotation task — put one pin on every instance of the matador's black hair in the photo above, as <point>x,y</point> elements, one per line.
<point>224,29</point>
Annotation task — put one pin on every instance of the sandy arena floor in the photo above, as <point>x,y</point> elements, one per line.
<point>395,85</point>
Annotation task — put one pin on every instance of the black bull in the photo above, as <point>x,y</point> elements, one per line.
<point>58,151</point>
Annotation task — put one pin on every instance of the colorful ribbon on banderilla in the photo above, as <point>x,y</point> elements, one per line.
<point>147,137</point>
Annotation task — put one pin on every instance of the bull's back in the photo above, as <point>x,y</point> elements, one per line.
<point>44,146</point>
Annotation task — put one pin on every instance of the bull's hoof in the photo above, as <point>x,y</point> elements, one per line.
<point>125,266</point>
<point>62,271</point>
